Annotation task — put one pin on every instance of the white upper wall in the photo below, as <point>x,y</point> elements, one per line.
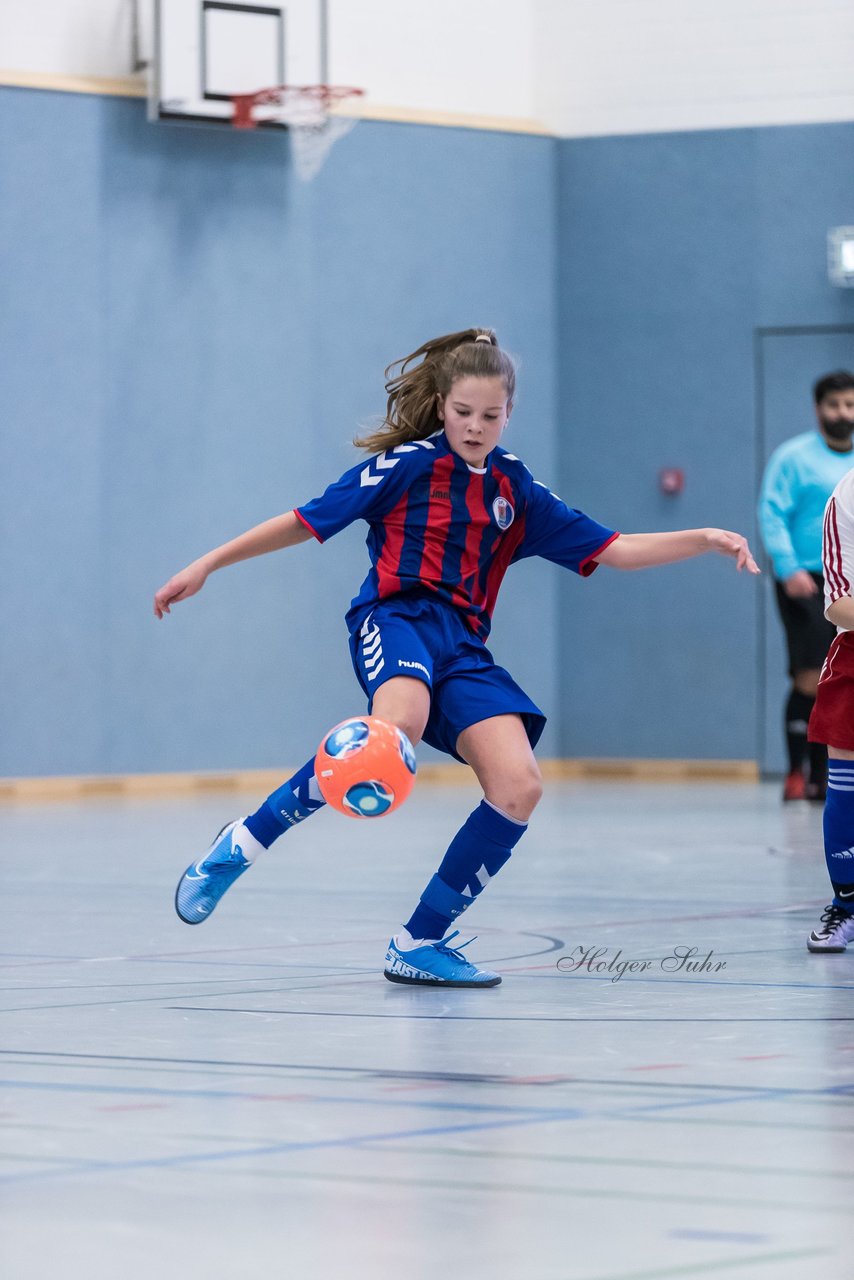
<point>581,67</point>
<point>66,37</point>
<point>469,56</point>
<point>645,66</point>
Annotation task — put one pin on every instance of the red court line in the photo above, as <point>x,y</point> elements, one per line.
<point>659,1066</point>
<point>761,1057</point>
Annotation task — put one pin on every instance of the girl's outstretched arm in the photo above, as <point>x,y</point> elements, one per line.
<point>272,535</point>
<point>642,550</point>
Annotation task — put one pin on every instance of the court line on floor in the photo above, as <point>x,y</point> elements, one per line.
<point>391,1073</point>
<point>707,1268</point>
<point>403,1074</point>
<point>454,1017</point>
<point>546,1116</point>
<point>546,1189</point>
<point>733,1094</point>
<point>357,980</point>
<point>368,976</point>
<point>279,1148</point>
<point>835,1093</point>
<point>249,1095</point>
<point>688,980</point>
<point>555,944</point>
<point>793,1125</point>
<point>630,1162</point>
<point>329,972</point>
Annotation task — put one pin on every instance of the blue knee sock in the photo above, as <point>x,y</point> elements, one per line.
<point>477,852</point>
<point>295,800</point>
<point>839,831</point>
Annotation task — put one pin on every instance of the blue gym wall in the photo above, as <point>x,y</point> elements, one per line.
<point>189,338</point>
<point>673,249</point>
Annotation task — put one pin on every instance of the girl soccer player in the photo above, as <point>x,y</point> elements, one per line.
<point>832,719</point>
<point>448,510</point>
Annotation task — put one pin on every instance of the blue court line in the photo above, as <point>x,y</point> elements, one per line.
<point>542,1117</point>
<point>654,1108</point>
<point>280,1148</point>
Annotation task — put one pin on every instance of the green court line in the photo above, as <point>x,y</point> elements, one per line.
<point>741,1124</point>
<point>572,1193</point>
<point>629,1162</point>
<point>751,1260</point>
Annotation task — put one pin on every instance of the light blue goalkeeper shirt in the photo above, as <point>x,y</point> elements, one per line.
<point>799,479</point>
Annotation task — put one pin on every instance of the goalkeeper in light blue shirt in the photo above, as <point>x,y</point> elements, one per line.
<point>798,480</point>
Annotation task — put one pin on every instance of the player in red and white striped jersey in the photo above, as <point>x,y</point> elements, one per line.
<point>832,719</point>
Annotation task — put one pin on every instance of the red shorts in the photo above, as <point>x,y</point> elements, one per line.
<point>832,719</point>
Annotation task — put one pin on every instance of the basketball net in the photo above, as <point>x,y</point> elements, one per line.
<point>308,110</point>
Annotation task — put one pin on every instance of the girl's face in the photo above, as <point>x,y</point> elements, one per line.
<point>475,412</point>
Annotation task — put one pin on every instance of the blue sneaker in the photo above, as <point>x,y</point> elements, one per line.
<point>203,884</point>
<point>436,964</point>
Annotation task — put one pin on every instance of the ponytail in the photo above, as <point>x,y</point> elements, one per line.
<point>413,388</point>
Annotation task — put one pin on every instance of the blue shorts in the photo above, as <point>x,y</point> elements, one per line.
<point>430,641</point>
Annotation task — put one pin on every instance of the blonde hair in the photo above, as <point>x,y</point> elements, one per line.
<point>413,388</point>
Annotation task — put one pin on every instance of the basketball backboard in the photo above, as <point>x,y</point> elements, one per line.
<point>204,51</point>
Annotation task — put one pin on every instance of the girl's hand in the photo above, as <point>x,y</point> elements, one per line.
<point>181,587</point>
<point>732,544</point>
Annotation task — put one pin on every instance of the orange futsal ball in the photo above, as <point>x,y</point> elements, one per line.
<point>365,767</point>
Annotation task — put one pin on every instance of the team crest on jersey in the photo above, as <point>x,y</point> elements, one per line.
<point>503,512</point>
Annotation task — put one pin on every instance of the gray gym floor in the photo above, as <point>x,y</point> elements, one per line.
<point>251,1098</point>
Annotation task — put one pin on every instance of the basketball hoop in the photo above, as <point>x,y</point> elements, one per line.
<point>310,113</point>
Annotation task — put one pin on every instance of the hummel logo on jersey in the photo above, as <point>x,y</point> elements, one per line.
<point>419,666</point>
<point>382,463</point>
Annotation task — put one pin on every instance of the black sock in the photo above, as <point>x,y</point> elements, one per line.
<point>798,710</point>
<point>818,763</point>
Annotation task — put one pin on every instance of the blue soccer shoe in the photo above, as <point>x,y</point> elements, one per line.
<point>436,965</point>
<point>203,884</point>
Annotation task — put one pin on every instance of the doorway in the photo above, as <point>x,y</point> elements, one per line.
<point>788,362</point>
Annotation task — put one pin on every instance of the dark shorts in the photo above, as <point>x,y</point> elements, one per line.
<point>414,636</point>
<point>832,719</point>
<point>808,633</point>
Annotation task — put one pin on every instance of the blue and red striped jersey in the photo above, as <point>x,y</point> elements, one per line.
<point>440,527</point>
